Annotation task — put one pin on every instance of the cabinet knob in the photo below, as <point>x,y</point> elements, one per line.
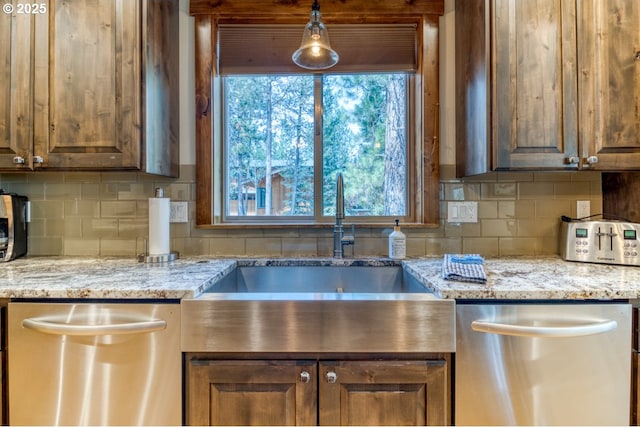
<point>305,376</point>
<point>331,377</point>
<point>18,160</point>
<point>573,160</point>
<point>636,57</point>
<point>592,159</point>
<point>38,159</point>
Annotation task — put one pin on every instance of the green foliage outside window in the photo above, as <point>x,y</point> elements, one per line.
<point>269,144</point>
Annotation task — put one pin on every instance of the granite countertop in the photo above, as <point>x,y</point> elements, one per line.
<point>118,278</point>
<point>534,278</point>
<point>123,278</point>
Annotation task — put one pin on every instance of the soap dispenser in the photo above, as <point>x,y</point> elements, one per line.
<point>397,243</point>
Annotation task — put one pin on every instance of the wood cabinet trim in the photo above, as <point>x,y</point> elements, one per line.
<point>204,71</point>
<point>329,8</point>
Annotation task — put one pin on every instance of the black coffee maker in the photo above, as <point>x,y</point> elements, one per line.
<point>13,226</point>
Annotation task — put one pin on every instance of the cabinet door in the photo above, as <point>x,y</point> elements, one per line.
<point>609,82</point>
<point>384,393</point>
<point>16,94</point>
<point>534,85</point>
<point>252,393</point>
<point>87,84</point>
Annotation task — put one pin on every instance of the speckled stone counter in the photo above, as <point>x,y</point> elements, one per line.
<point>118,278</point>
<point>123,278</point>
<point>534,278</point>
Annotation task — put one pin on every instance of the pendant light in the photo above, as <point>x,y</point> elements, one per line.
<point>315,52</point>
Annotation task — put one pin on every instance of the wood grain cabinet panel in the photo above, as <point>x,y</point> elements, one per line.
<point>101,80</point>
<point>16,92</point>
<point>378,393</point>
<point>534,91</point>
<point>245,393</point>
<point>87,85</point>
<point>547,85</point>
<point>515,85</point>
<point>609,83</point>
<point>303,392</point>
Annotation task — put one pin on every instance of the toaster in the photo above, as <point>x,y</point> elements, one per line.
<point>14,213</point>
<point>606,242</point>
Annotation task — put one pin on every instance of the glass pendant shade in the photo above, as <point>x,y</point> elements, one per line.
<point>315,51</point>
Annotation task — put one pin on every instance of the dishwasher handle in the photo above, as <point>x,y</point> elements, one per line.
<point>597,327</point>
<point>46,326</point>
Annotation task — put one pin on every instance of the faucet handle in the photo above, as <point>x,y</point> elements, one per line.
<point>353,240</point>
<point>349,240</point>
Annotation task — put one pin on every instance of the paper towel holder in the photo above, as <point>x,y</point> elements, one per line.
<point>159,258</point>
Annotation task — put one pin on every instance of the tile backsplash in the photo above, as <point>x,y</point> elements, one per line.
<point>105,214</point>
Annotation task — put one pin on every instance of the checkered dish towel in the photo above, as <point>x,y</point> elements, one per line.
<point>465,268</point>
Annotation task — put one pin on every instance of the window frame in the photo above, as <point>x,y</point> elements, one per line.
<point>425,120</point>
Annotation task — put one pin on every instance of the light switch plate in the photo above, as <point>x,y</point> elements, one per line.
<point>179,212</point>
<point>583,208</point>
<point>462,212</point>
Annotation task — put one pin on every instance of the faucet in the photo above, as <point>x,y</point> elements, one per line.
<point>339,238</point>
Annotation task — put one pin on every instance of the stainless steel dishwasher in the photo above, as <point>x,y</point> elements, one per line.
<point>75,363</point>
<point>543,364</point>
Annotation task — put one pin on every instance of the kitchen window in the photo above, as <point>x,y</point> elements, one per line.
<point>286,137</point>
<point>281,134</point>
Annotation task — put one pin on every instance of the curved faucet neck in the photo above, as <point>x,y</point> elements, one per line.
<point>339,198</point>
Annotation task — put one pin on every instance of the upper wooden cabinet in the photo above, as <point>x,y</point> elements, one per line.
<point>609,83</point>
<point>16,87</point>
<point>103,86</point>
<point>540,85</point>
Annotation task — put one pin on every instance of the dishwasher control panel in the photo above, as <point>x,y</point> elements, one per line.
<point>607,242</point>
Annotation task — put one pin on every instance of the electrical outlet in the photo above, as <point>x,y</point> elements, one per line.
<point>179,212</point>
<point>583,208</point>
<point>462,212</point>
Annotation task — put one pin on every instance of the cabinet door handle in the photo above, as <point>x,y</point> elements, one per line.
<point>331,377</point>
<point>636,57</point>
<point>592,159</point>
<point>305,377</point>
<point>18,160</point>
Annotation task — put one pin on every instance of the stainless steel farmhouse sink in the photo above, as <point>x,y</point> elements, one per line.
<point>319,279</point>
<point>318,309</point>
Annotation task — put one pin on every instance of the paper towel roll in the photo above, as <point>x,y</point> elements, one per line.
<point>159,209</point>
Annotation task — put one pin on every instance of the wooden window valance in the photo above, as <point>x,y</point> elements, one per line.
<point>258,49</point>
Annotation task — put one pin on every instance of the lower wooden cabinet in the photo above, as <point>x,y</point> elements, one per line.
<point>383,393</point>
<point>635,366</point>
<point>310,392</point>
<point>635,383</point>
<point>248,393</point>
